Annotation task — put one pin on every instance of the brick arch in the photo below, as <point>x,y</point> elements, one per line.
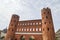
<point>31,38</point>
<point>22,37</point>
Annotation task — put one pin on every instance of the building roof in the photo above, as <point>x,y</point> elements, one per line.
<point>4,30</point>
<point>58,31</point>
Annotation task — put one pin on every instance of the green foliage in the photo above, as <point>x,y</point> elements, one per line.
<point>31,39</point>
<point>56,38</point>
<point>22,37</point>
<point>2,37</point>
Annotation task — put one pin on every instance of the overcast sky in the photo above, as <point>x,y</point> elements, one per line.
<point>28,10</point>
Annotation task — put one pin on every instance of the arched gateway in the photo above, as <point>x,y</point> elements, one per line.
<point>39,29</point>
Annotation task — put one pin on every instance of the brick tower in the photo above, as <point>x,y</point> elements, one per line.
<point>47,25</point>
<point>12,27</point>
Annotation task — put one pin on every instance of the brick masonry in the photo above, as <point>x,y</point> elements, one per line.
<point>39,29</point>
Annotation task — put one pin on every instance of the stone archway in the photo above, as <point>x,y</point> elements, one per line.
<point>22,37</point>
<point>31,38</point>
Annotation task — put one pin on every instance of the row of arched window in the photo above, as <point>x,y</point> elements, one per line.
<point>37,23</point>
<point>29,29</point>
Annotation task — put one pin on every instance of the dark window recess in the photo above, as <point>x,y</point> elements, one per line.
<point>43,29</point>
<point>15,39</point>
<point>44,12</point>
<point>46,16</point>
<point>48,29</point>
<point>11,24</point>
<point>44,22</point>
<point>12,29</point>
<point>15,25</point>
<point>48,12</point>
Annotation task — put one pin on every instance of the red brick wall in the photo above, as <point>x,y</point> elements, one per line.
<point>44,27</point>
<point>36,37</point>
<point>12,27</point>
<point>47,25</point>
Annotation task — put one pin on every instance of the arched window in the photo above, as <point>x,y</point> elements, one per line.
<point>39,29</point>
<point>17,30</point>
<point>30,29</point>
<point>44,22</point>
<point>31,38</point>
<point>27,29</point>
<point>48,29</point>
<point>22,37</point>
<point>46,17</point>
<point>25,24</point>
<point>37,23</point>
<point>24,29</point>
<point>33,29</point>
<point>33,23</point>
<point>36,29</point>
<point>20,29</point>
<point>40,23</point>
<point>30,23</point>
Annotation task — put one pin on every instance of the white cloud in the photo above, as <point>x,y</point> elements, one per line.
<point>27,9</point>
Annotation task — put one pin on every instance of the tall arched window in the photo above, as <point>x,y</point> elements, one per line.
<point>22,37</point>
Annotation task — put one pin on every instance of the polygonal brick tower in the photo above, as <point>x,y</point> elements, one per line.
<point>47,25</point>
<point>12,27</point>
